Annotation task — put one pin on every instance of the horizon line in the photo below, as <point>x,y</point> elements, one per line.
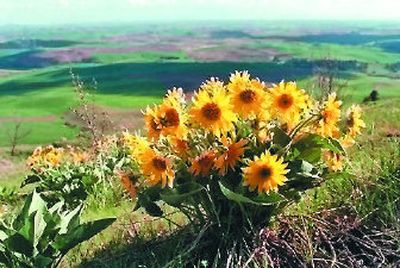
<point>172,21</point>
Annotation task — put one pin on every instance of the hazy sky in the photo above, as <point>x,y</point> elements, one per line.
<point>80,11</point>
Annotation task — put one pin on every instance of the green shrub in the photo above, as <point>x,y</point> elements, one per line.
<point>40,235</point>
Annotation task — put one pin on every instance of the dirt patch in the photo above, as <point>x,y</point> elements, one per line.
<point>109,119</point>
<point>392,132</point>
<point>234,54</point>
<point>5,73</point>
<point>6,166</point>
<point>78,54</point>
<point>48,118</point>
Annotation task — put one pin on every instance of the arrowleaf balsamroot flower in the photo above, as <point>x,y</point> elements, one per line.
<point>231,156</point>
<point>136,144</point>
<point>247,96</point>
<point>333,161</point>
<point>202,164</point>
<point>265,173</point>
<point>127,183</point>
<point>327,125</point>
<point>156,168</point>
<point>354,122</point>
<point>167,118</point>
<point>180,147</point>
<point>212,109</point>
<point>287,103</point>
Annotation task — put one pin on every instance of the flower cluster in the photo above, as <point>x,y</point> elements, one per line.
<point>242,127</point>
<point>51,157</point>
<point>71,173</point>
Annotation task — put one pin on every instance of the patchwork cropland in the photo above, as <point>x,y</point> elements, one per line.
<point>133,65</point>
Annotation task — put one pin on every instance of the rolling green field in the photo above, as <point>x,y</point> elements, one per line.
<point>134,66</point>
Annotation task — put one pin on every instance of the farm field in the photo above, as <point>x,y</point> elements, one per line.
<point>134,65</point>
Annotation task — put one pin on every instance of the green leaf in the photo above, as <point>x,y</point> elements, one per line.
<point>153,209</point>
<point>33,203</point>
<point>30,179</point>
<point>39,227</point>
<point>303,175</point>
<point>70,220</point>
<point>147,199</point>
<point>260,200</point>
<point>3,235</point>
<point>18,243</point>
<point>337,147</point>
<point>280,137</point>
<point>81,233</point>
<point>312,155</point>
<point>43,261</point>
<point>314,141</point>
<point>27,229</point>
<point>180,193</point>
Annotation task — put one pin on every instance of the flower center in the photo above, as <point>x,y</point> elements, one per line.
<point>265,172</point>
<point>211,111</point>
<point>247,96</point>
<point>205,161</point>
<point>327,115</point>
<point>350,122</point>
<point>155,126</point>
<point>285,101</point>
<point>171,118</point>
<point>159,163</point>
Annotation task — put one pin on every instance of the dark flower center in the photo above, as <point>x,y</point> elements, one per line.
<point>171,118</point>
<point>155,126</point>
<point>248,96</point>
<point>159,163</point>
<point>285,101</point>
<point>350,122</point>
<point>206,161</point>
<point>265,172</point>
<point>211,111</point>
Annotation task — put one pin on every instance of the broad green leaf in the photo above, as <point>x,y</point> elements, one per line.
<point>306,167</point>
<point>302,168</point>
<point>3,235</point>
<point>18,243</point>
<point>38,229</point>
<point>312,155</point>
<point>147,199</point>
<point>280,137</point>
<point>81,233</point>
<point>315,141</point>
<point>70,220</point>
<point>180,193</point>
<point>20,220</point>
<point>153,209</point>
<point>303,175</point>
<point>336,144</point>
<point>57,207</point>
<point>42,261</point>
<point>28,228</point>
<point>261,200</point>
<point>36,203</point>
<point>30,179</point>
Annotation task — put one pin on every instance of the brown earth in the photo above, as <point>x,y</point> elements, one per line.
<point>201,47</point>
<point>48,118</point>
<point>5,166</point>
<point>111,119</point>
